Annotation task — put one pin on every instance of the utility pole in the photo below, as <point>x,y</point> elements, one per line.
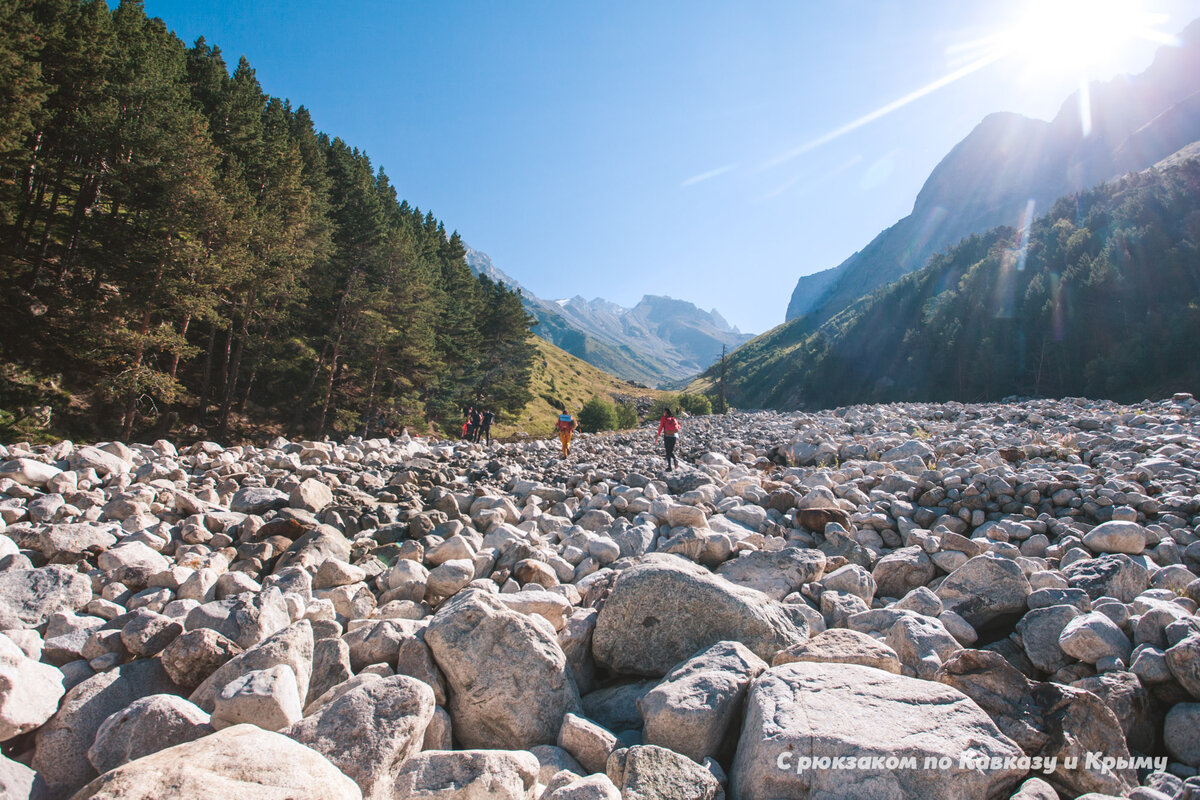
<point>724,406</point>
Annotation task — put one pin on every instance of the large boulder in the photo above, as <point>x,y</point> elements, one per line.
<point>985,589</point>
<point>800,714</point>
<point>370,731</point>
<point>243,762</point>
<point>29,596</point>
<point>1048,721</point>
<point>468,775</point>
<point>666,609</point>
<point>901,571</point>
<point>146,726</point>
<point>648,772</point>
<point>1115,575</point>
<point>775,573</point>
<point>245,619</point>
<point>518,706</point>
<point>29,691</point>
<point>695,706</point>
<point>63,742</point>
<point>292,646</point>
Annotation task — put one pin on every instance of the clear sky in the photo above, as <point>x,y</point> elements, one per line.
<point>620,148</point>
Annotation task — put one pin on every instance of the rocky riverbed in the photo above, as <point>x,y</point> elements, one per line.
<point>906,601</point>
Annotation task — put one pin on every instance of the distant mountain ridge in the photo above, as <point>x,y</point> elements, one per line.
<point>659,342</point>
<point>1008,160</point>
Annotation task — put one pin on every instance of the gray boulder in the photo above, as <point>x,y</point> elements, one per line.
<point>292,646</point>
<point>694,707</point>
<point>985,589</point>
<point>1046,719</point>
<point>370,731</point>
<point>774,573</point>
<point>842,646</point>
<point>666,609</point>
<point>1039,630</point>
<point>512,708</point>
<point>63,742</point>
<point>901,571</point>
<point>1115,575</point>
<point>1092,637</point>
<point>145,726</point>
<point>1116,536</point>
<point>243,762</point>
<point>29,596</point>
<point>805,711</point>
<point>647,772</point>
<point>29,691</point>
<point>245,618</point>
<point>468,775</point>
<point>195,655</point>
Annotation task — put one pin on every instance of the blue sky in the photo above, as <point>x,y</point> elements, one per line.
<point>625,148</point>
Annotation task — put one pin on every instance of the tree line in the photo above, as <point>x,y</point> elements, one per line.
<point>1099,298</point>
<point>180,245</point>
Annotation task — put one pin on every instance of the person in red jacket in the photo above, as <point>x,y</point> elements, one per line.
<point>668,427</point>
<point>565,427</point>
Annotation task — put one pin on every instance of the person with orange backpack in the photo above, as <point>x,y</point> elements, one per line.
<point>668,427</point>
<point>565,426</point>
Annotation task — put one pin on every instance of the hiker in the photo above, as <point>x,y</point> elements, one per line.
<point>668,427</point>
<point>476,420</point>
<point>485,426</point>
<point>565,426</point>
<point>468,423</point>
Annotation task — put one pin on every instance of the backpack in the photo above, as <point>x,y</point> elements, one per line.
<point>670,425</point>
<point>565,423</point>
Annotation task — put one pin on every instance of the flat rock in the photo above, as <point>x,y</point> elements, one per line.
<point>774,573</point>
<point>257,500</point>
<point>807,710</point>
<point>468,775</point>
<point>29,596</point>
<point>842,646</point>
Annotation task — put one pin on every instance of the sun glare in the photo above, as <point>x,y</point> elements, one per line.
<point>1073,36</point>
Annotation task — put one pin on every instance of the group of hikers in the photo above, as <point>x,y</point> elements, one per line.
<point>668,428</point>
<point>477,424</point>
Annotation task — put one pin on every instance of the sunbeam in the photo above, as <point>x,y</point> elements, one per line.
<point>1050,37</point>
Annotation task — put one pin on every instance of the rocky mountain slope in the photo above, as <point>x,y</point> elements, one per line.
<point>946,601</point>
<point>1096,299</point>
<point>659,342</point>
<point>1009,161</point>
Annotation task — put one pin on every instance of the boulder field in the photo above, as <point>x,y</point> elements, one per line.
<point>992,601</point>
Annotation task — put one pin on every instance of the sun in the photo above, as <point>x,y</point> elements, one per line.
<point>1061,37</point>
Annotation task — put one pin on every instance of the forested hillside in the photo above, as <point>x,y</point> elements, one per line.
<point>1101,298</point>
<point>182,248</point>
